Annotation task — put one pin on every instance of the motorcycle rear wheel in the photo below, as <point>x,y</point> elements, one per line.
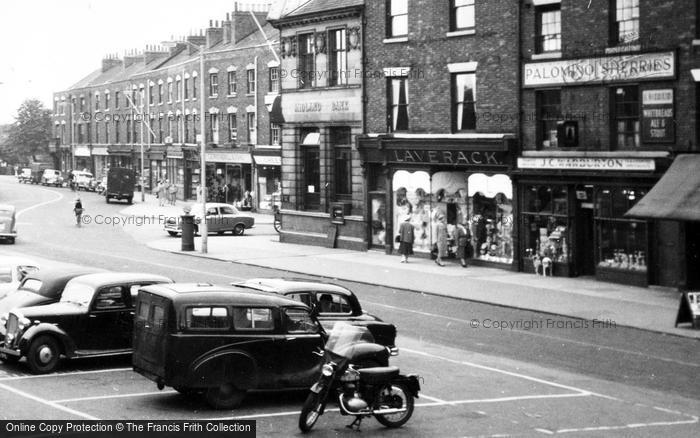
<point>313,406</point>
<point>397,396</point>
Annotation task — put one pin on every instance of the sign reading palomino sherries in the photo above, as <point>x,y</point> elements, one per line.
<point>641,66</point>
<point>587,163</point>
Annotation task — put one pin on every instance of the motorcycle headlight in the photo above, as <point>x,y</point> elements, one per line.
<point>24,323</point>
<point>327,370</point>
<point>3,318</point>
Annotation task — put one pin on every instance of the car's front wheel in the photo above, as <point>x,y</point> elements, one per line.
<point>238,230</point>
<point>225,396</point>
<point>173,233</point>
<point>43,355</point>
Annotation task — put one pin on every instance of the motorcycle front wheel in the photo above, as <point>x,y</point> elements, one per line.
<point>313,406</point>
<point>394,396</point>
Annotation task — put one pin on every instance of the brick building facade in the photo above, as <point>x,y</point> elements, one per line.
<point>98,120</point>
<point>441,105</point>
<point>608,100</point>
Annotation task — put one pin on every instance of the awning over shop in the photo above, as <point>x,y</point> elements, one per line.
<point>677,194</point>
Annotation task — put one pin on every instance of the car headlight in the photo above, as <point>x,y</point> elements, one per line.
<point>24,323</point>
<point>327,370</point>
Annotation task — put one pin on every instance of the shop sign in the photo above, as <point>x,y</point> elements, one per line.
<point>689,309</point>
<point>315,106</point>
<point>228,157</point>
<point>463,158</point>
<point>81,151</point>
<point>643,66</point>
<point>263,160</point>
<point>657,116</point>
<point>585,163</point>
<point>176,154</point>
<point>99,151</point>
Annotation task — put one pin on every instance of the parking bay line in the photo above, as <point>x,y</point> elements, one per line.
<point>47,402</point>
<point>541,335</point>
<point>106,397</point>
<point>68,374</point>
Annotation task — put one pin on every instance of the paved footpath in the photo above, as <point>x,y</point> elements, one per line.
<point>652,308</point>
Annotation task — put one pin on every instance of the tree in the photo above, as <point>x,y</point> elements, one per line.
<point>30,135</point>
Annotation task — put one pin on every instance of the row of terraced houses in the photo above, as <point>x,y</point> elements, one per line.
<point>562,133</point>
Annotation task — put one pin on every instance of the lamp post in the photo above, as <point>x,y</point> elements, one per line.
<point>203,144</point>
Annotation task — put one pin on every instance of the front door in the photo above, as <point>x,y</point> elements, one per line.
<point>107,325</point>
<point>584,229</point>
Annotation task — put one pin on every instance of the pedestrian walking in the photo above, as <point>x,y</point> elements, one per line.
<point>162,192</point>
<point>463,238</point>
<point>406,238</point>
<point>78,211</point>
<point>441,239</point>
<point>172,193</point>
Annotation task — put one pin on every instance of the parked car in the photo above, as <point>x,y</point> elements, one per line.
<point>8,223</point>
<point>84,180</point>
<point>25,175</point>
<point>95,317</point>
<point>38,288</point>
<point>120,184</point>
<point>224,341</point>
<point>332,303</point>
<point>12,271</point>
<point>220,219</point>
<point>52,177</point>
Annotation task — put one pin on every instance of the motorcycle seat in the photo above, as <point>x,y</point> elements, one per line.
<point>378,375</point>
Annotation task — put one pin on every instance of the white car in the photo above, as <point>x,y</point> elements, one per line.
<point>52,177</point>
<point>220,218</point>
<point>12,272</point>
<point>84,180</point>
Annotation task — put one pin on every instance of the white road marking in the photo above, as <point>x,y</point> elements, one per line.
<point>497,370</point>
<point>24,210</point>
<point>541,335</point>
<point>47,402</point>
<point>545,431</point>
<point>104,397</point>
<point>69,373</point>
<point>693,420</point>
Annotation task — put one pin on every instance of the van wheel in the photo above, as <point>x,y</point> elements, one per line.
<point>11,240</point>
<point>130,200</point>
<point>225,396</point>
<point>43,355</point>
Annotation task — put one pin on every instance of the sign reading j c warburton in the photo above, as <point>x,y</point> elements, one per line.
<point>642,66</point>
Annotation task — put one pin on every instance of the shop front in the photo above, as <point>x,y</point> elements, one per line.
<point>175,169</point>
<point>268,175</point>
<point>120,156</point>
<point>572,216</point>
<point>83,158</point>
<point>100,162</point>
<point>465,180</point>
<point>157,169</point>
<point>228,176</point>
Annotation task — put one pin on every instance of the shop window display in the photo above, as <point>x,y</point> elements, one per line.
<point>546,223</point>
<point>378,204</point>
<point>622,242</point>
<point>412,196</point>
<point>491,217</point>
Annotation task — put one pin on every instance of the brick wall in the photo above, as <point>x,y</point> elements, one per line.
<point>428,51</point>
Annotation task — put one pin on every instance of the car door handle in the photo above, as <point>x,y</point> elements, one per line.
<point>93,316</point>
<point>290,338</point>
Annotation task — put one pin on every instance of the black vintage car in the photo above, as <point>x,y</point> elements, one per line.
<point>224,341</point>
<point>39,288</point>
<point>95,317</point>
<point>332,302</point>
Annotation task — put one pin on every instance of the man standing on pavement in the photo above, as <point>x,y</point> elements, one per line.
<point>78,210</point>
<point>162,192</point>
<point>172,193</point>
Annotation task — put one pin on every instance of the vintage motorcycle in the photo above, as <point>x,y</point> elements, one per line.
<point>362,392</point>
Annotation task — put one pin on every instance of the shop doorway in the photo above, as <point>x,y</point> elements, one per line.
<point>585,237</point>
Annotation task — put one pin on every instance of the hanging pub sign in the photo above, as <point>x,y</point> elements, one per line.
<point>689,309</point>
<point>657,116</point>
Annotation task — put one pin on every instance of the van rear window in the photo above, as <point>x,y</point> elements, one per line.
<point>207,318</point>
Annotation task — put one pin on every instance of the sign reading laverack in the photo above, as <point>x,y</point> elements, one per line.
<point>642,66</point>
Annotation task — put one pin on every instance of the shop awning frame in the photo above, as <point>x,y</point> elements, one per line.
<point>677,194</point>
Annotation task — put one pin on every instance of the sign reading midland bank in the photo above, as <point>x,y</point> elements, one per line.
<point>641,66</point>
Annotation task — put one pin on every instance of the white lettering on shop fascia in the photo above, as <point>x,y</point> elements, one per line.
<point>317,107</point>
<point>586,163</point>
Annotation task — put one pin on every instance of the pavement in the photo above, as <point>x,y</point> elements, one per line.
<point>653,308</point>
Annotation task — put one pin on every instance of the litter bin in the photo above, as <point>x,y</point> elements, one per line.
<point>187,232</point>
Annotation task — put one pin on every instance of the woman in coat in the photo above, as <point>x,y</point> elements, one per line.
<point>406,238</point>
<point>463,237</point>
<point>441,239</point>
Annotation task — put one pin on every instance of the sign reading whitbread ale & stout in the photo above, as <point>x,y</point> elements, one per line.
<point>604,69</point>
<point>657,116</point>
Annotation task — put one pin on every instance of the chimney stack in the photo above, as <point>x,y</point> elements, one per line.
<point>243,24</point>
<point>227,28</point>
<point>130,58</point>
<point>214,34</point>
<point>197,40</point>
<point>110,61</point>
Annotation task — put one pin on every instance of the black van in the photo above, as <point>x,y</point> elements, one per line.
<point>223,341</point>
<point>120,184</point>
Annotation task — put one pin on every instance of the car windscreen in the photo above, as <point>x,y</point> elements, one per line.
<point>77,293</point>
<point>32,285</point>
